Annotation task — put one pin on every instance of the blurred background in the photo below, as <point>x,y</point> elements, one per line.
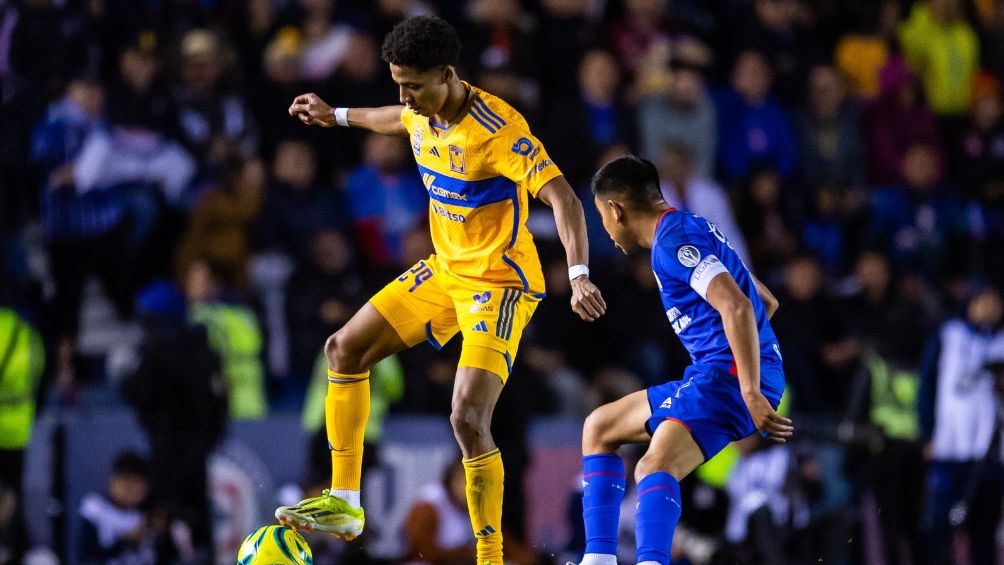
<point>174,250</point>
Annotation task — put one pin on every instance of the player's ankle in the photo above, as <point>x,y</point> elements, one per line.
<point>599,559</point>
<point>352,497</point>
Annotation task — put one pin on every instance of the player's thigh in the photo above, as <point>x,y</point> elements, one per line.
<point>411,308</point>
<point>363,341</point>
<point>417,305</point>
<point>673,450</point>
<point>616,423</point>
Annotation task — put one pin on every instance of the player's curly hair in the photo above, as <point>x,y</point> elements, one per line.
<point>422,42</point>
<point>636,179</point>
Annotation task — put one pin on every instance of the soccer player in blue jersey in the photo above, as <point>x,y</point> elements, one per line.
<point>721,313</point>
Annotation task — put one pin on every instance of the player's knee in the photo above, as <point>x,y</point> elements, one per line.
<point>661,462</point>
<point>342,353</point>
<point>593,430</point>
<point>468,423</point>
<point>648,464</point>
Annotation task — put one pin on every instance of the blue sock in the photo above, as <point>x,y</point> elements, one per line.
<point>658,512</point>
<point>602,493</point>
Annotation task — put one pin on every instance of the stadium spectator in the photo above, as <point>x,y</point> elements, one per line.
<point>326,42</point>
<point>85,230</point>
<point>897,119</point>
<point>918,221</point>
<point>233,333</point>
<point>214,119</point>
<point>782,31</point>
<point>641,26</point>
<point>753,128</point>
<point>115,525</point>
<point>958,416</point>
<point>298,205</point>
<point>685,188</point>
<point>864,49</point>
<point>500,40</point>
<point>683,113</point>
<point>593,118</point>
<point>979,157</point>
<point>180,399</point>
<point>385,200</point>
<point>22,359</point>
<point>321,296</point>
<point>942,48</point>
<point>220,225</point>
<point>437,523</point>
<point>807,323</point>
<point>765,215</point>
<point>830,151</point>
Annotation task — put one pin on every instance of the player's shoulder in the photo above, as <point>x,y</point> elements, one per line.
<point>496,116</point>
<point>679,226</point>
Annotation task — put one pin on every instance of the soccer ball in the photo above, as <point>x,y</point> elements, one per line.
<point>274,545</point>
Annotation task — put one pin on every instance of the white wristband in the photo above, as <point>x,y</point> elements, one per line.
<point>576,271</point>
<point>342,117</point>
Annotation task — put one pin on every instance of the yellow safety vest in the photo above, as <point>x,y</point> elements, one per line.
<point>235,337</point>
<point>22,359</point>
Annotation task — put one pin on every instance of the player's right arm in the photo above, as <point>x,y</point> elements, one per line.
<point>739,321</point>
<point>311,110</point>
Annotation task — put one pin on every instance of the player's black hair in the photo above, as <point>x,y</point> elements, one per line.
<point>130,463</point>
<point>422,42</point>
<point>633,178</point>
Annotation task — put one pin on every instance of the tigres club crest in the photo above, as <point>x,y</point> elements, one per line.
<point>416,140</point>
<point>457,159</point>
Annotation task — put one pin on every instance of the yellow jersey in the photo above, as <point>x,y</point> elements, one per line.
<point>479,173</point>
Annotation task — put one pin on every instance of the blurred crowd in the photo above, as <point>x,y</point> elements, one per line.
<point>164,220</point>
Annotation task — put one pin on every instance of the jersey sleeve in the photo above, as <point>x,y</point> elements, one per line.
<point>690,260</point>
<point>525,161</point>
<point>408,119</point>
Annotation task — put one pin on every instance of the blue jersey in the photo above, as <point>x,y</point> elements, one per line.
<point>687,253</point>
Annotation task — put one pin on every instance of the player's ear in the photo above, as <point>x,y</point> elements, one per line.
<point>617,209</point>
<point>448,72</point>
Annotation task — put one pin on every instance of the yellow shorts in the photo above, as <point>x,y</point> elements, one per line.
<point>428,303</point>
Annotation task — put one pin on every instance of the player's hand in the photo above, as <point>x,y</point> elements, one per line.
<point>587,301</point>
<point>767,421</point>
<point>311,110</point>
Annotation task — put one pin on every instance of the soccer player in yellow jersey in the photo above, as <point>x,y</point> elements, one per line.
<point>480,164</point>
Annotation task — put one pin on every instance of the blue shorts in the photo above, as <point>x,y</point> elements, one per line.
<point>709,403</point>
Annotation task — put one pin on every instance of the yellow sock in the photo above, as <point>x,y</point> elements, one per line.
<point>484,502</point>
<point>346,409</point>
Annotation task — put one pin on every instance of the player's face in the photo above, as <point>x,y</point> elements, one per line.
<point>612,214</point>
<point>423,92</point>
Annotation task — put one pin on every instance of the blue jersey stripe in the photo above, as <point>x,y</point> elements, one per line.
<point>519,272</point>
<point>467,193</point>
<point>512,313</point>
<point>480,112</point>
<point>481,104</point>
<point>498,324</point>
<point>430,337</point>
<point>515,220</point>
<point>483,120</point>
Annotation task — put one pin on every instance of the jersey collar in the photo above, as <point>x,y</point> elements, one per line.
<point>658,222</point>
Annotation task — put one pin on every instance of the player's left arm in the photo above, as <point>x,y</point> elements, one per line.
<point>770,302</point>
<point>739,320</point>
<point>587,301</point>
